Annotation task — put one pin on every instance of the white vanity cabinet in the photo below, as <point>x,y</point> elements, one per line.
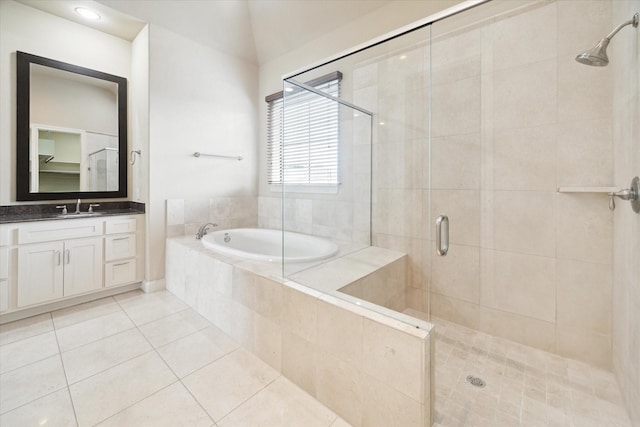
<point>53,270</point>
<point>55,260</point>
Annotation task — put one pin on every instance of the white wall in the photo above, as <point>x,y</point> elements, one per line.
<point>199,100</point>
<point>139,116</point>
<point>63,102</point>
<point>29,30</point>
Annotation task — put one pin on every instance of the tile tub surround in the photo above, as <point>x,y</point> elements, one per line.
<point>185,216</point>
<point>367,367</point>
<point>334,217</point>
<point>164,366</point>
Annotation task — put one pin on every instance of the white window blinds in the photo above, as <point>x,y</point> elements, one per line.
<point>304,139</point>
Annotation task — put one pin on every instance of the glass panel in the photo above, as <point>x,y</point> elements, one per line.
<point>103,170</point>
<point>326,168</point>
<point>390,80</point>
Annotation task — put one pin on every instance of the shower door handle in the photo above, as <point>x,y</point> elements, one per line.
<point>442,247</point>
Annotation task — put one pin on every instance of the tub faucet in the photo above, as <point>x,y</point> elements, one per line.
<point>203,230</point>
<point>78,207</point>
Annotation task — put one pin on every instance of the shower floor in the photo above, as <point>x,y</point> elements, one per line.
<point>524,386</point>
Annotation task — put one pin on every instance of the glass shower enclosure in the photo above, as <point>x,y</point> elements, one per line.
<point>103,170</point>
<point>483,122</point>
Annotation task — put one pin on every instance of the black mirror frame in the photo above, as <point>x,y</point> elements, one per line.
<point>23,61</point>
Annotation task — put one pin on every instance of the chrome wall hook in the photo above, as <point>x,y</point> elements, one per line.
<point>132,156</point>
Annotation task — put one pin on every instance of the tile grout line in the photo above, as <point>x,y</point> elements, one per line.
<point>79,311</point>
<point>98,340</point>
<point>26,338</point>
<point>29,364</point>
<point>253,395</point>
<point>124,409</point>
<point>178,379</point>
<point>31,401</point>
<point>64,371</point>
<point>177,339</point>
<point>35,361</point>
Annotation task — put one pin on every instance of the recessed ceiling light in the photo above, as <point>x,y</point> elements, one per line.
<point>403,57</point>
<point>87,14</point>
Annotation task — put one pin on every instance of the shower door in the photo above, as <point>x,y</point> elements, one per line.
<point>521,144</point>
<point>454,203</point>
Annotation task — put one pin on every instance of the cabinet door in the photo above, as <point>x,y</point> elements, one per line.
<point>82,265</point>
<point>40,273</point>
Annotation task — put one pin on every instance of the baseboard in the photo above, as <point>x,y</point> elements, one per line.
<point>153,285</point>
<point>45,308</point>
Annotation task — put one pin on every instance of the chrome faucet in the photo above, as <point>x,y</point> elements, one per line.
<point>632,194</point>
<point>203,230</point>
<point>78,207</point>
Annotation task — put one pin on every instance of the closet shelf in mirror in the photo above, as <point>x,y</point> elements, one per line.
<point>62,172</point>
<point>588,189</point>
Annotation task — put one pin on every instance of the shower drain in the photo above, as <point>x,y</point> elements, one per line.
<point>475,381</point>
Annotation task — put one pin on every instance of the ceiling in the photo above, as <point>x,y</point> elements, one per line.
<point>255,30</point>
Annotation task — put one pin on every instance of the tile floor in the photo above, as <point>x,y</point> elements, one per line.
<point>141,360</point>
<point>148,360</point>
<point>524,386</point>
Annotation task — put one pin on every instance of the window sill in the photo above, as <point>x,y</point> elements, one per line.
<point>305,188</point>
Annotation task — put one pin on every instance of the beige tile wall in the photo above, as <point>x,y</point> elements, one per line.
<point>513,118</point>
<point>184,217</point>
<point>625,67</point>
<point>366,367</point>
<point>385,287</point>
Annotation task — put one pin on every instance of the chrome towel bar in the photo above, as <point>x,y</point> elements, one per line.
<point>219,156</point>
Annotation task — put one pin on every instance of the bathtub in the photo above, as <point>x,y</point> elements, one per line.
<point>266,245</point>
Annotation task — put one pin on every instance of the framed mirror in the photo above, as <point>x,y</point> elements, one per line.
<point>71,131</point>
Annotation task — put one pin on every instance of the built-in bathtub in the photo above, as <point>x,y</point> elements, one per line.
<point>263,244</point>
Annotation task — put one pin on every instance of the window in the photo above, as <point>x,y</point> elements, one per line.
<point>303,147</point>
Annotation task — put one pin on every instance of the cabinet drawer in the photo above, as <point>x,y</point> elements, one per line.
<point>4,263</point>
<point>59,230</point>
<point>118,226</point>
<point>120,272</point>
<point>119,247</point>
<point>4,295</point>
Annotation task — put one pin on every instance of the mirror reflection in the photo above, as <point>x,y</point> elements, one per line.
<point>73,132</point>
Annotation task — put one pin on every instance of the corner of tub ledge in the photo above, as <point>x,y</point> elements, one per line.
<point>379,314</point>
<point>374,256</point>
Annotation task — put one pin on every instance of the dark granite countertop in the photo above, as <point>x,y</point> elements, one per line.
<point>48,212</point>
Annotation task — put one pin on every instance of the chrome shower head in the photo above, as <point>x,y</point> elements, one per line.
<point>597,55</point>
